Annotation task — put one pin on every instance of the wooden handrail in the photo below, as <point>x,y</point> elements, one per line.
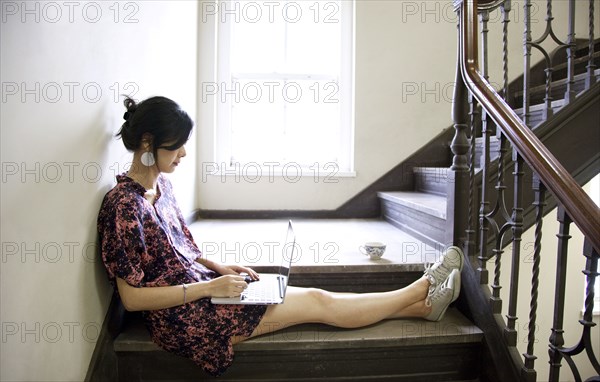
<point>580,207</point>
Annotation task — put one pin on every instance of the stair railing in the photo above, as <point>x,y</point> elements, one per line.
<point>477,105</point>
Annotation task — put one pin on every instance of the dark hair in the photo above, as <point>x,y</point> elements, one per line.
<point>159,117</point>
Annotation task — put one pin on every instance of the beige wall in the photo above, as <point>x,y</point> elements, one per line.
<point>59,157</point>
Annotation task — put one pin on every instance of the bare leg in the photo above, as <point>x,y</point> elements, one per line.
<point>347,310</point>
<point>416,310</point>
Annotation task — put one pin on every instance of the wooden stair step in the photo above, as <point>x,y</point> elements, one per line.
<point>391,349</point>
<point>453,328</point>
<point>431,180</point>
<point>421,215</point>
<point>430,204</point>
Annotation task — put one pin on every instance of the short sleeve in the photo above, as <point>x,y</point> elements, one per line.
<point>122,244</point>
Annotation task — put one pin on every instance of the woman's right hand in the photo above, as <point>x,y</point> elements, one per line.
<point>227,286</point>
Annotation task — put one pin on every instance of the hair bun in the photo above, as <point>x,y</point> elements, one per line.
<point>161,118</point>
<point>130,105</point>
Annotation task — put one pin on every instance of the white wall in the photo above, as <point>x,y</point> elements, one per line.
<point>59,157</point>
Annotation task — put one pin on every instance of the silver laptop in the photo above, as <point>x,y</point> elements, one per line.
<point>271,287</point>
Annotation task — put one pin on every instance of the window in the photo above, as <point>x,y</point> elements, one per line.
<point>285,85</point>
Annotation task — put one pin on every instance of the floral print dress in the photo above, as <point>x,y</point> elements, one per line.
<point>149,245</point>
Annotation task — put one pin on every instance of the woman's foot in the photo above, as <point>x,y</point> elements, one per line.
<point>438,272</point>
<point>443,295</point>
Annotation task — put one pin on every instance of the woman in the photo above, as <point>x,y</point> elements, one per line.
<point>156,267</point>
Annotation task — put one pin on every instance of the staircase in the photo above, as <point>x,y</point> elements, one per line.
<point>422,211</point>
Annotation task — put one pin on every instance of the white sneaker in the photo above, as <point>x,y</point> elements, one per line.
<point>436,273</point>
<point>443,295</point>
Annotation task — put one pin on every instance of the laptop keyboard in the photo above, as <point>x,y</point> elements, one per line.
<point>260,292</point>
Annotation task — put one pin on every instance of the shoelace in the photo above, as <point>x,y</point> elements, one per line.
<point>433,274</point>
<point>432,284</point>
<point>431,296</point>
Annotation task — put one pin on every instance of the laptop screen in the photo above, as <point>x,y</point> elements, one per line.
<point>287,255</point>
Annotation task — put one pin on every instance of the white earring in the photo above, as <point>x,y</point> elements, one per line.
<point>147,159</point>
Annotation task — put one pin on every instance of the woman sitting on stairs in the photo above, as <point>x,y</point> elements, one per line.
<point>156,267</point>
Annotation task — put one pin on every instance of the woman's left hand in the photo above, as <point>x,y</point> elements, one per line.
<point>239,269</point>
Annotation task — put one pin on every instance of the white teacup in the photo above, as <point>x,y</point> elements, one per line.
<point>373,249</point>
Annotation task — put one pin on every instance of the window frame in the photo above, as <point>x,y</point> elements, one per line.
<point>222,117</point>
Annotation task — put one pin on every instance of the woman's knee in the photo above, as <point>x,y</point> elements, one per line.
<point>302,305</point>
<point>320,297</point>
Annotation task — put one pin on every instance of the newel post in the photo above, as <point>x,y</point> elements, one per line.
<point>457,209</point>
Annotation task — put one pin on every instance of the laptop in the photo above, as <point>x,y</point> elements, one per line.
<point>271,288</point>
